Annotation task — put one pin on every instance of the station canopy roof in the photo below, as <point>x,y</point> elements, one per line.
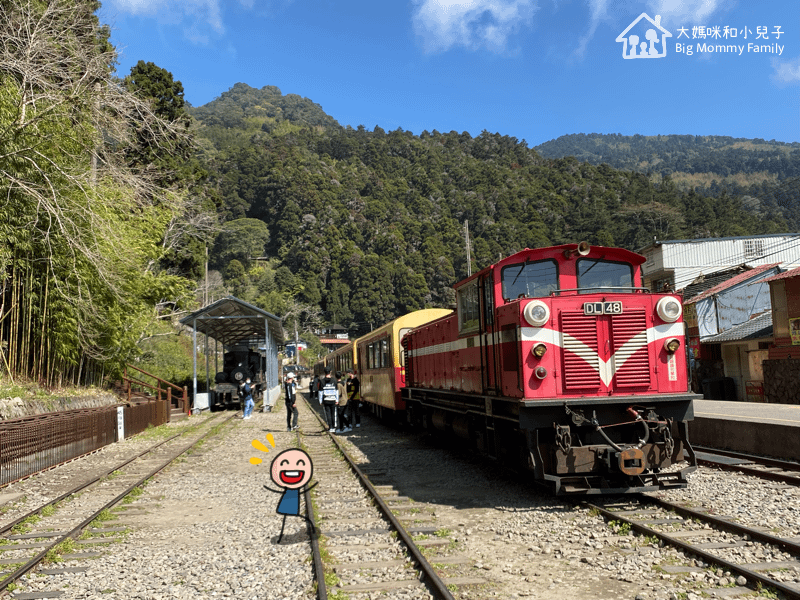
<point>235,322</point>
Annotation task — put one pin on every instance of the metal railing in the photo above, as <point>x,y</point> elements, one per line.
<point>32,444</point>
<point>161,387</point>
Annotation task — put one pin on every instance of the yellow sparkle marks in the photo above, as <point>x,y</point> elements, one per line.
<point>254,460</point>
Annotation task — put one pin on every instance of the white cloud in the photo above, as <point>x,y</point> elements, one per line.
<point>443,24</point>
<point>673,13</point>
<point>200,18</point>
<point>687,12</point>
<point>786,72</point>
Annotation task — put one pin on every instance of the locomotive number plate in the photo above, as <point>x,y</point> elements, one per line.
<point>602,308</point>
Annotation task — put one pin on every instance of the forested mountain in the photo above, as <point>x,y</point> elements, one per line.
<point>708,164</point>
<point>370,224</point>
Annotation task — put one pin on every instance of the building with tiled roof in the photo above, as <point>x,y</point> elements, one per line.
<point>782,365</point>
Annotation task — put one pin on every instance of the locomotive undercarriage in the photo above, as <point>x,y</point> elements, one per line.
<point>580,446</point>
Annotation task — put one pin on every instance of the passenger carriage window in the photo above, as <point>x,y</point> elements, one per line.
<point>468,307</point>
<point>604,276</point>
<point>530,279</point>
<point>386,359</point>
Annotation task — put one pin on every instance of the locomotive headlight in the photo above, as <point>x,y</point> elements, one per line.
<point>672,345</point>
<point>669,309</point>
<point>540,372</point>
<point>538,350</point>
<point>536,313</point>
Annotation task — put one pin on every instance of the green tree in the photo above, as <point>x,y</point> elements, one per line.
<point>242,240</point>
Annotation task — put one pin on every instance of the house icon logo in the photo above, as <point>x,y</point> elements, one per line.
<point>640,40</point>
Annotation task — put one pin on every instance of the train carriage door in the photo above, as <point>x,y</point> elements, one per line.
<point>488,341</point>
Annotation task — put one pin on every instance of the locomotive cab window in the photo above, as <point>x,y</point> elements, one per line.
<point>604,276</point>
<point>530,279</point>
<point>469,310</point>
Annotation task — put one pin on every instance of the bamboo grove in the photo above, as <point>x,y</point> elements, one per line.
<point>82,217</point>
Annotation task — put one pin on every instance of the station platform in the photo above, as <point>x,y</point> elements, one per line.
<point>750,427</point>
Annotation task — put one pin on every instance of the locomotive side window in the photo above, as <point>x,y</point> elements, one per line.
<point>604,276</point>
<point>530,279</point>
<point>468,307</point>
<point>488,300</point>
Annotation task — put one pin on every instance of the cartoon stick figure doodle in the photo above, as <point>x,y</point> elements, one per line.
<point>291,470</point>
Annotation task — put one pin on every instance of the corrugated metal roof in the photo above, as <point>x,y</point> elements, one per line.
<point>786,275</point>
<point>705,282</point>
<point>657,243</point>
<point>755,329</point>
<point>741,278</point>
<point>233,321</point>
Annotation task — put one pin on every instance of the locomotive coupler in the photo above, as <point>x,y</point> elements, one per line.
<point>630,461</point>
<point>563,438</point>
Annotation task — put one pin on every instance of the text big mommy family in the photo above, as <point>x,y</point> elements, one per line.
<point>739,49</point>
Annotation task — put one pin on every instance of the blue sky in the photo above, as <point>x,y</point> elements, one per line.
<point>532,69</point>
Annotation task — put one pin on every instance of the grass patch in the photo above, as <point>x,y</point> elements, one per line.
<point>55,554</point>
<point>105,515</point>
<point>442,532</point>
<point>133,495</point>
<point>620,528</point>
<point>25,525</point>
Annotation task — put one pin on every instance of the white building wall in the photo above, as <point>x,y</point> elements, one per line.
<point>687,259</point>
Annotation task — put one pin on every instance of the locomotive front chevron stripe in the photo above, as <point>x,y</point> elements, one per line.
<point>605,369</point>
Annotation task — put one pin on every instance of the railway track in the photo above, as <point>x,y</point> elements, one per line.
<point>758,466</point>
<point>721,544</point>
<point>373,539</point>
<point>71,522</point>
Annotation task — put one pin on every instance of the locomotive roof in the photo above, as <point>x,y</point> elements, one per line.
<point>557,253</point>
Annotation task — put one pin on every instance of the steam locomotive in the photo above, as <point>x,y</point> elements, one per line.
<point>238,365</point>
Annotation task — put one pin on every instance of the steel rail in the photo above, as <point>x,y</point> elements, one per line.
<point>78,488</point>
<point>71,534</point>
<point>745,470</point>
<point>788,591</point>
<point>725,524</point>
<point>316,554</point>
<point>786,465</point>
<point>432,579</point>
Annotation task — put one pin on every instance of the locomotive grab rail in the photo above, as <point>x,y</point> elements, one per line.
<point>601,288</point>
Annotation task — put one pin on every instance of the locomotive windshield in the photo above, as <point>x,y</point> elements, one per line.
<point>530,279</point>
<point>604,276</point>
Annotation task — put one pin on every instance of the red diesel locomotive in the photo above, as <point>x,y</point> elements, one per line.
<point>558,358</point>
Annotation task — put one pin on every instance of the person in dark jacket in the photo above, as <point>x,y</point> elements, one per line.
<point>328,397</point>
<point>246,392</point>
<point>290,397</point>
<point>341,406</point>
<point>353,389</point>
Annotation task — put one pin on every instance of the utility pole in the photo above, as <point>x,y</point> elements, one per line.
<point>469,254</point>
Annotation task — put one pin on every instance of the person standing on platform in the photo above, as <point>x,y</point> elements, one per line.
<point>328,397</point>
<point>341,406</point>
<point>353,389</point>
<point>249,404</point>
<point>290,397</point>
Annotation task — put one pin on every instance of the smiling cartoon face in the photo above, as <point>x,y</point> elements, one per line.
<point>291,469</point>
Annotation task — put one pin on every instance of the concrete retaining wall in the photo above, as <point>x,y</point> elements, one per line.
<point>13,408</point>
<point>778,441</point>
